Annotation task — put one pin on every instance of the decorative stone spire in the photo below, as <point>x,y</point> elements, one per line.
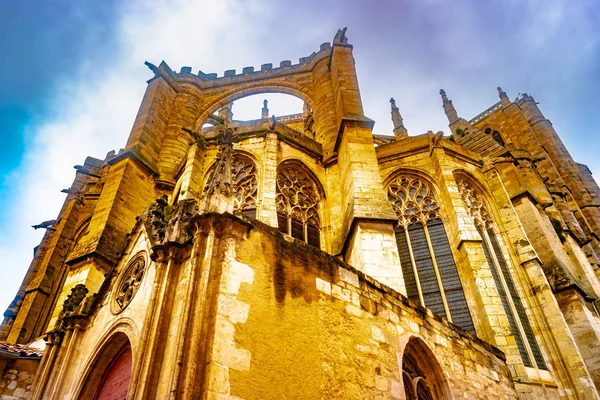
<point>265,110</point>
<point>400,131</point>
<point>226,113</point>
<point>503,97</point>
<point>219,195</point>
<point>449,108</point>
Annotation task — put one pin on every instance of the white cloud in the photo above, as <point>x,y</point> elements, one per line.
<point>407,50</point>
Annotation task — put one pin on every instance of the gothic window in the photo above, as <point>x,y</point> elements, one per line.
<point>129,282</point>
<point>496,136</point>
<point>298,204</point>
<point>421,374</point>
<point>511,301</point>
<point>243,174</point>
<point>428,267</point>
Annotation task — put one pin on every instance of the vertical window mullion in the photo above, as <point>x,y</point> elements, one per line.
<point>453,288</point>
<point>414,267</point>
<point>437,273</point>
<point>509,298</point>
<point>526,329</point>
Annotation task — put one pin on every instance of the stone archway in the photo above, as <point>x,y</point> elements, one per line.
<point>422,375</point>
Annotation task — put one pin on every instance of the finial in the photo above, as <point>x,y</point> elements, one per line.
<point>444,97</point>
<point>503,97</point>
<point>340,37</point>
<point>449,108</point>
<point>400,132</point>
<point>265,110</point>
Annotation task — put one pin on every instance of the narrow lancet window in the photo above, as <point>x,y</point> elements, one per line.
<point>511,301</point>
<point>428,267</point>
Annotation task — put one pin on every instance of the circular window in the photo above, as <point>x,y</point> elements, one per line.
<point>128,284</point>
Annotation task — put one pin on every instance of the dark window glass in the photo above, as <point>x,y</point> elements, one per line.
<point>427,278</point>
<point>455,296</point>
<point>407,270</point>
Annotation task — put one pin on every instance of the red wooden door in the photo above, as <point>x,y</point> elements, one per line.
<point>116,380</point>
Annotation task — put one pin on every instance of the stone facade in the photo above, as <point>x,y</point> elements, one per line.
<point>305,257</point>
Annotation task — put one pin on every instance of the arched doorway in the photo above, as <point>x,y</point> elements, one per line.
<point>109,375</point>
<point>115,381</point>
<point>421,373</point>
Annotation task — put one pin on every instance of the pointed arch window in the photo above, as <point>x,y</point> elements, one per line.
<point>428,267</point>
<point>298,204</point>
<point>511,301</point>
<point>496,136</point>
<point>244,177</point>
<point>243,171</point>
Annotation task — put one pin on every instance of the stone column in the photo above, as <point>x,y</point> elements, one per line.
<point>268,208</point>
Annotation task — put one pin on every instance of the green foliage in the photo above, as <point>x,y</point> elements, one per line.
<point>460,132</point>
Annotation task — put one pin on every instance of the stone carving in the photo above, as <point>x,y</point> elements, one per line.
<point>413,200</point>
<point>178,227</point>
<point>309,121</point>
<point>244,183</point>
<point>130,282</point>
<point>474,203</point>
<point>219,192</point>
<point>297,196</point>
<point>73,300</point>
<point>156,219</point>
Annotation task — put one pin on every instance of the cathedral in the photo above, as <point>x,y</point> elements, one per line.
<point>306,257</point>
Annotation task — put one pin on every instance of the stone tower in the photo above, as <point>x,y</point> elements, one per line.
<point>304,256</point>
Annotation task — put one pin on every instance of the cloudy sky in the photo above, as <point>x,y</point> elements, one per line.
<point>72,75</point>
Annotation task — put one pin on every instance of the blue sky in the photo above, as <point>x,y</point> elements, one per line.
<point>73,75</point>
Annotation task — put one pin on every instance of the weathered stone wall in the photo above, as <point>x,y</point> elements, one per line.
<point>334,331</point>
<point>17,380</point>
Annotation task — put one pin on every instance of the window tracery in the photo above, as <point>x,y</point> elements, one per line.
<point>243,172</point>
<point>419,377</point>
<point>297,203</point>
<point>245,179</point>
<point>428,266</point>
<point>511,301</point>
<point>130,282</point>
<point>475,205</point>
<point>413,200</point>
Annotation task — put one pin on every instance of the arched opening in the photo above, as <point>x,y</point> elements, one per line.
<point>109,376</point>
<point>298,198</point>
<point>497,136</point>
<point>256,106</point>
<point>279,104</point>
<point>422,375</point>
